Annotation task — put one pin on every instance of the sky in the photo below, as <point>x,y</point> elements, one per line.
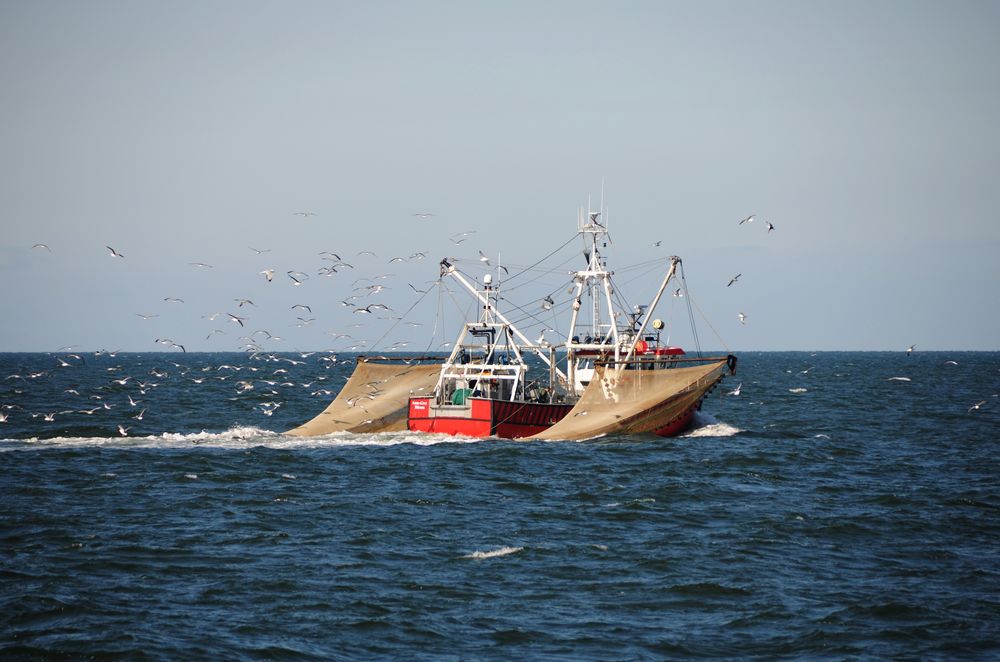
<point>196,132</point>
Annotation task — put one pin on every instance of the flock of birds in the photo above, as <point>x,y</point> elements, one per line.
<point>99,394</point>
<point>362,300</point>
<point>358,301</point>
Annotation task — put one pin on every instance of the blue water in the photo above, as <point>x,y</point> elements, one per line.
<point>831,510</point>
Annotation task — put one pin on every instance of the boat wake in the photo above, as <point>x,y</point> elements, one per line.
<point>239,437</point>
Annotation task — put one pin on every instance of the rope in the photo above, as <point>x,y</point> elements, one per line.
<point>705,319</point>
<point>400,319</point>
<point>525,270</point>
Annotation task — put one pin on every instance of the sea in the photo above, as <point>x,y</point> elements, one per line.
<point>826,506</point>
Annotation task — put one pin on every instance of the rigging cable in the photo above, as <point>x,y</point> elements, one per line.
<point>526,269</point>
<point>398,320</point>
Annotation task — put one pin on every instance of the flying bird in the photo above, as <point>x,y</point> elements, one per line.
<point>734,279</point>
<point>977,405</point>
<point>748,219</point>
<point>42,246</point>
<point>304,214</point>
<point>424,215</point>
<point>482,258</point>
<point>743,318</point>
<point>910,349</point>
<point>114,253</point>
<point>268,274</point>
<point>770,226</point>
<point>736,391</point>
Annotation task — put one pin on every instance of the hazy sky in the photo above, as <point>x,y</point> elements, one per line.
<point>182,132</point>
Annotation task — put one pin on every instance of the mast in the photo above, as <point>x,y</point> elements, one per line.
<point>596,280</point>
<point>489,311</point>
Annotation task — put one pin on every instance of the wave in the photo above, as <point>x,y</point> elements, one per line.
<point>503,551</point>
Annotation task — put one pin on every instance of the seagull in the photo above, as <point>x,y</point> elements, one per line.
<point>114,253</point>
<point>42,246</point>
<point>301,276</point>
<point>748,219</point>
<point>268,274</point>
<point>424,215</point>
<point>236,319</point>
<point>736,391</point>
<point>123,431</point>
<point>303,306</point>
<point>173,300</point>
<point>201,265</point>
<point>244,301</point>
<point>743,318</point>
<point>678,293</point>
<point>909,350</point>
<point>482,258</point>
<point>547,303</point>
<point>145,317</point>
<point>656,244</point>
<point>258,251</point>
<point>734,279</point>
<point>304,214</point>
<point>770,226</point>
<point>977,405</point>
<point>416,290</point>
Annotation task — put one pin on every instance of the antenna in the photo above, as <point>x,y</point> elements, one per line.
<point>604,211</point>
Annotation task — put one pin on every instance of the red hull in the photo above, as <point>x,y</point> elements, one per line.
<point>485,418</point>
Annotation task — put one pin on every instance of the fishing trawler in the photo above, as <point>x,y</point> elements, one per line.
<point>617,376</point>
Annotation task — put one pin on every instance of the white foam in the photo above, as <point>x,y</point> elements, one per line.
<point>797,390</point>
<point>706,425</point>
<point>503,551</point>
